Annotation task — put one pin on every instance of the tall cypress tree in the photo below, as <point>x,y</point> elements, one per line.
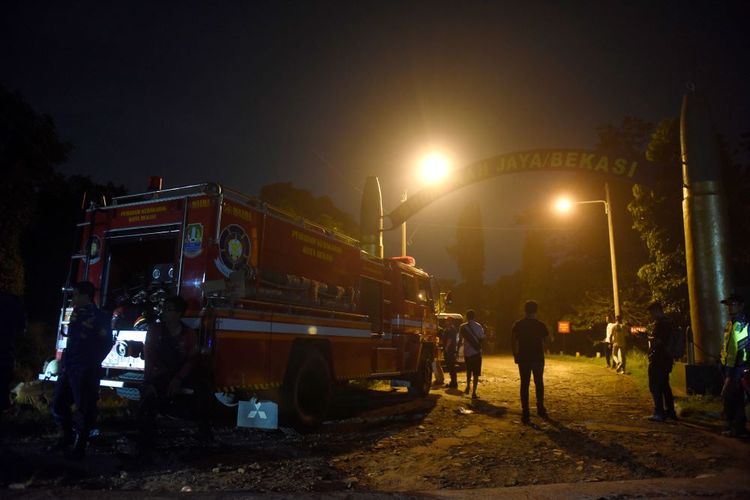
<point>468,252</point>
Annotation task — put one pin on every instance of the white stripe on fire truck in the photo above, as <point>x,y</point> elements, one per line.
<point>406,322</point>
<point>230,324</point>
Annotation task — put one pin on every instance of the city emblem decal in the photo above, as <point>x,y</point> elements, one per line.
<point>95,250</point>
<point>193,240</point>
<point>234,250</point>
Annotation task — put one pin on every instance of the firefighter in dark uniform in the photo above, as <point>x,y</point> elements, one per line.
<point>173,379</point>
<point>734,360</point>
<point>660,365</point>
<point>89,341</point>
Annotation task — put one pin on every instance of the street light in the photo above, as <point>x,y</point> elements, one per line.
<point>565,205</point>
<point>433,168</point>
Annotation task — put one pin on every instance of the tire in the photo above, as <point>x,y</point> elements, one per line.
<point>130,393</point>
<point>421,382</point>
<point>307,390</point>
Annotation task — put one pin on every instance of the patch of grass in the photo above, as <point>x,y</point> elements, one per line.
<point>637,365</point>
<point>699,404</point>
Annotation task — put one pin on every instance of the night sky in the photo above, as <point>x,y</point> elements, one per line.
<point>323,94</point>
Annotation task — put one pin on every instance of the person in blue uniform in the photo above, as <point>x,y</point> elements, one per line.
<point>89,340</point>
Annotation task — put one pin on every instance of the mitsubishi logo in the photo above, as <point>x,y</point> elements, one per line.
<point>257,412</point>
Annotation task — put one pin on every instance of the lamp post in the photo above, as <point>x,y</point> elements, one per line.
<point>403,229</point>
<point>564,205</point>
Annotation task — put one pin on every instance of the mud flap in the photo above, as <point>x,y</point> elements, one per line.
<point>400,383</point>
<point>258,414</point>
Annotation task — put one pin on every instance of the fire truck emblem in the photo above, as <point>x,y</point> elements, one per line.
<point>234,250</point>
<point>193,240</point>
<point>95,250</point>
<point>257,412</point>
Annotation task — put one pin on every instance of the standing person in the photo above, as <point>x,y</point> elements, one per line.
<point>527,342</point>
<point>450,350</point>
<point>660,364</point>
<point>171,355</point>
<point>472,335</point>
<point>608,341</point>
<point>619,338</point>
<point>734,361</point>
<point>13,324</point>
<point>89,341</point>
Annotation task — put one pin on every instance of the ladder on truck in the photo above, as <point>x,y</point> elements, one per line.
<point>80,255</point>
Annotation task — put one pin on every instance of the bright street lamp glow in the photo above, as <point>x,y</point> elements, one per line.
<point>434,168</point>
<point>563,205</point>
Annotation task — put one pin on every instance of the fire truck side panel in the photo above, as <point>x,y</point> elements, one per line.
<point>291,249</point>
<point>347,342</point>
<point>240,351</point>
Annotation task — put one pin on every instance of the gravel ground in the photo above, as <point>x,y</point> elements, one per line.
<point>384,443</point>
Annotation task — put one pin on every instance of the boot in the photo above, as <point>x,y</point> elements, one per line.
<point>79,446</point>
<point>63,441</point>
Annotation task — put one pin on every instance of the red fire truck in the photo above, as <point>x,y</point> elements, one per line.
<point>285,308</point>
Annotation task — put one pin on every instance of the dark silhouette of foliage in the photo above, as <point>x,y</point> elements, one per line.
<point>29,150</point>
<point>58,210</point>
<point>303,203</point>
<point>468,252</point>
<point>657,216</point>
<point>736,180</point>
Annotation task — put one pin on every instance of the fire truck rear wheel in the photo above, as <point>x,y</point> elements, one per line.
<point>421,382</point>
<point>307,390</point>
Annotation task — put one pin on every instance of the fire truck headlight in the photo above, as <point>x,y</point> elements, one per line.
<point>312,330</point>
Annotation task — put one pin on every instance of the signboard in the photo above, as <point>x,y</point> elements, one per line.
<point>563,327</point>
<point>636,330</point>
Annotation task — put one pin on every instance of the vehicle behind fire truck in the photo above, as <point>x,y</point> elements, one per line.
<point>284,308</point>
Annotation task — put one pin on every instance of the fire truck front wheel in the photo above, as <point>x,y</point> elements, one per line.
<point>307,389</point>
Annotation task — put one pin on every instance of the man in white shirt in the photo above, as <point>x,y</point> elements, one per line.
<point>472,335</point>
<point>608,341</point>
<point>617,340</point>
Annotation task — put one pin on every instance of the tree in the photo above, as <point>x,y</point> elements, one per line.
<point>29,151</point>
<point>468,252</point>
<point>736,180</point>
<point>657,216</point>
<point>303,203</point>
<point>59,208</point>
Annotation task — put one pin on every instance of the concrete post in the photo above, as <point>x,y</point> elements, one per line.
<point>705,219</point>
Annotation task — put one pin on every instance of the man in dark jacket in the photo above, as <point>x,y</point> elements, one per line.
<point>171,375</point>
<point>449,339</point>
<point>660,364</point>
<point>89,339</point>
<point>527,342</point>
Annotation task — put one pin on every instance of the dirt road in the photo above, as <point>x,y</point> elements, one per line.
<point>382,440</point>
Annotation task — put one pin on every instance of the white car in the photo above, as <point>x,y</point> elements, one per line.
<point>458,319</point>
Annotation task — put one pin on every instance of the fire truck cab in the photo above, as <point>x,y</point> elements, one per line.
<point>284,308</point>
